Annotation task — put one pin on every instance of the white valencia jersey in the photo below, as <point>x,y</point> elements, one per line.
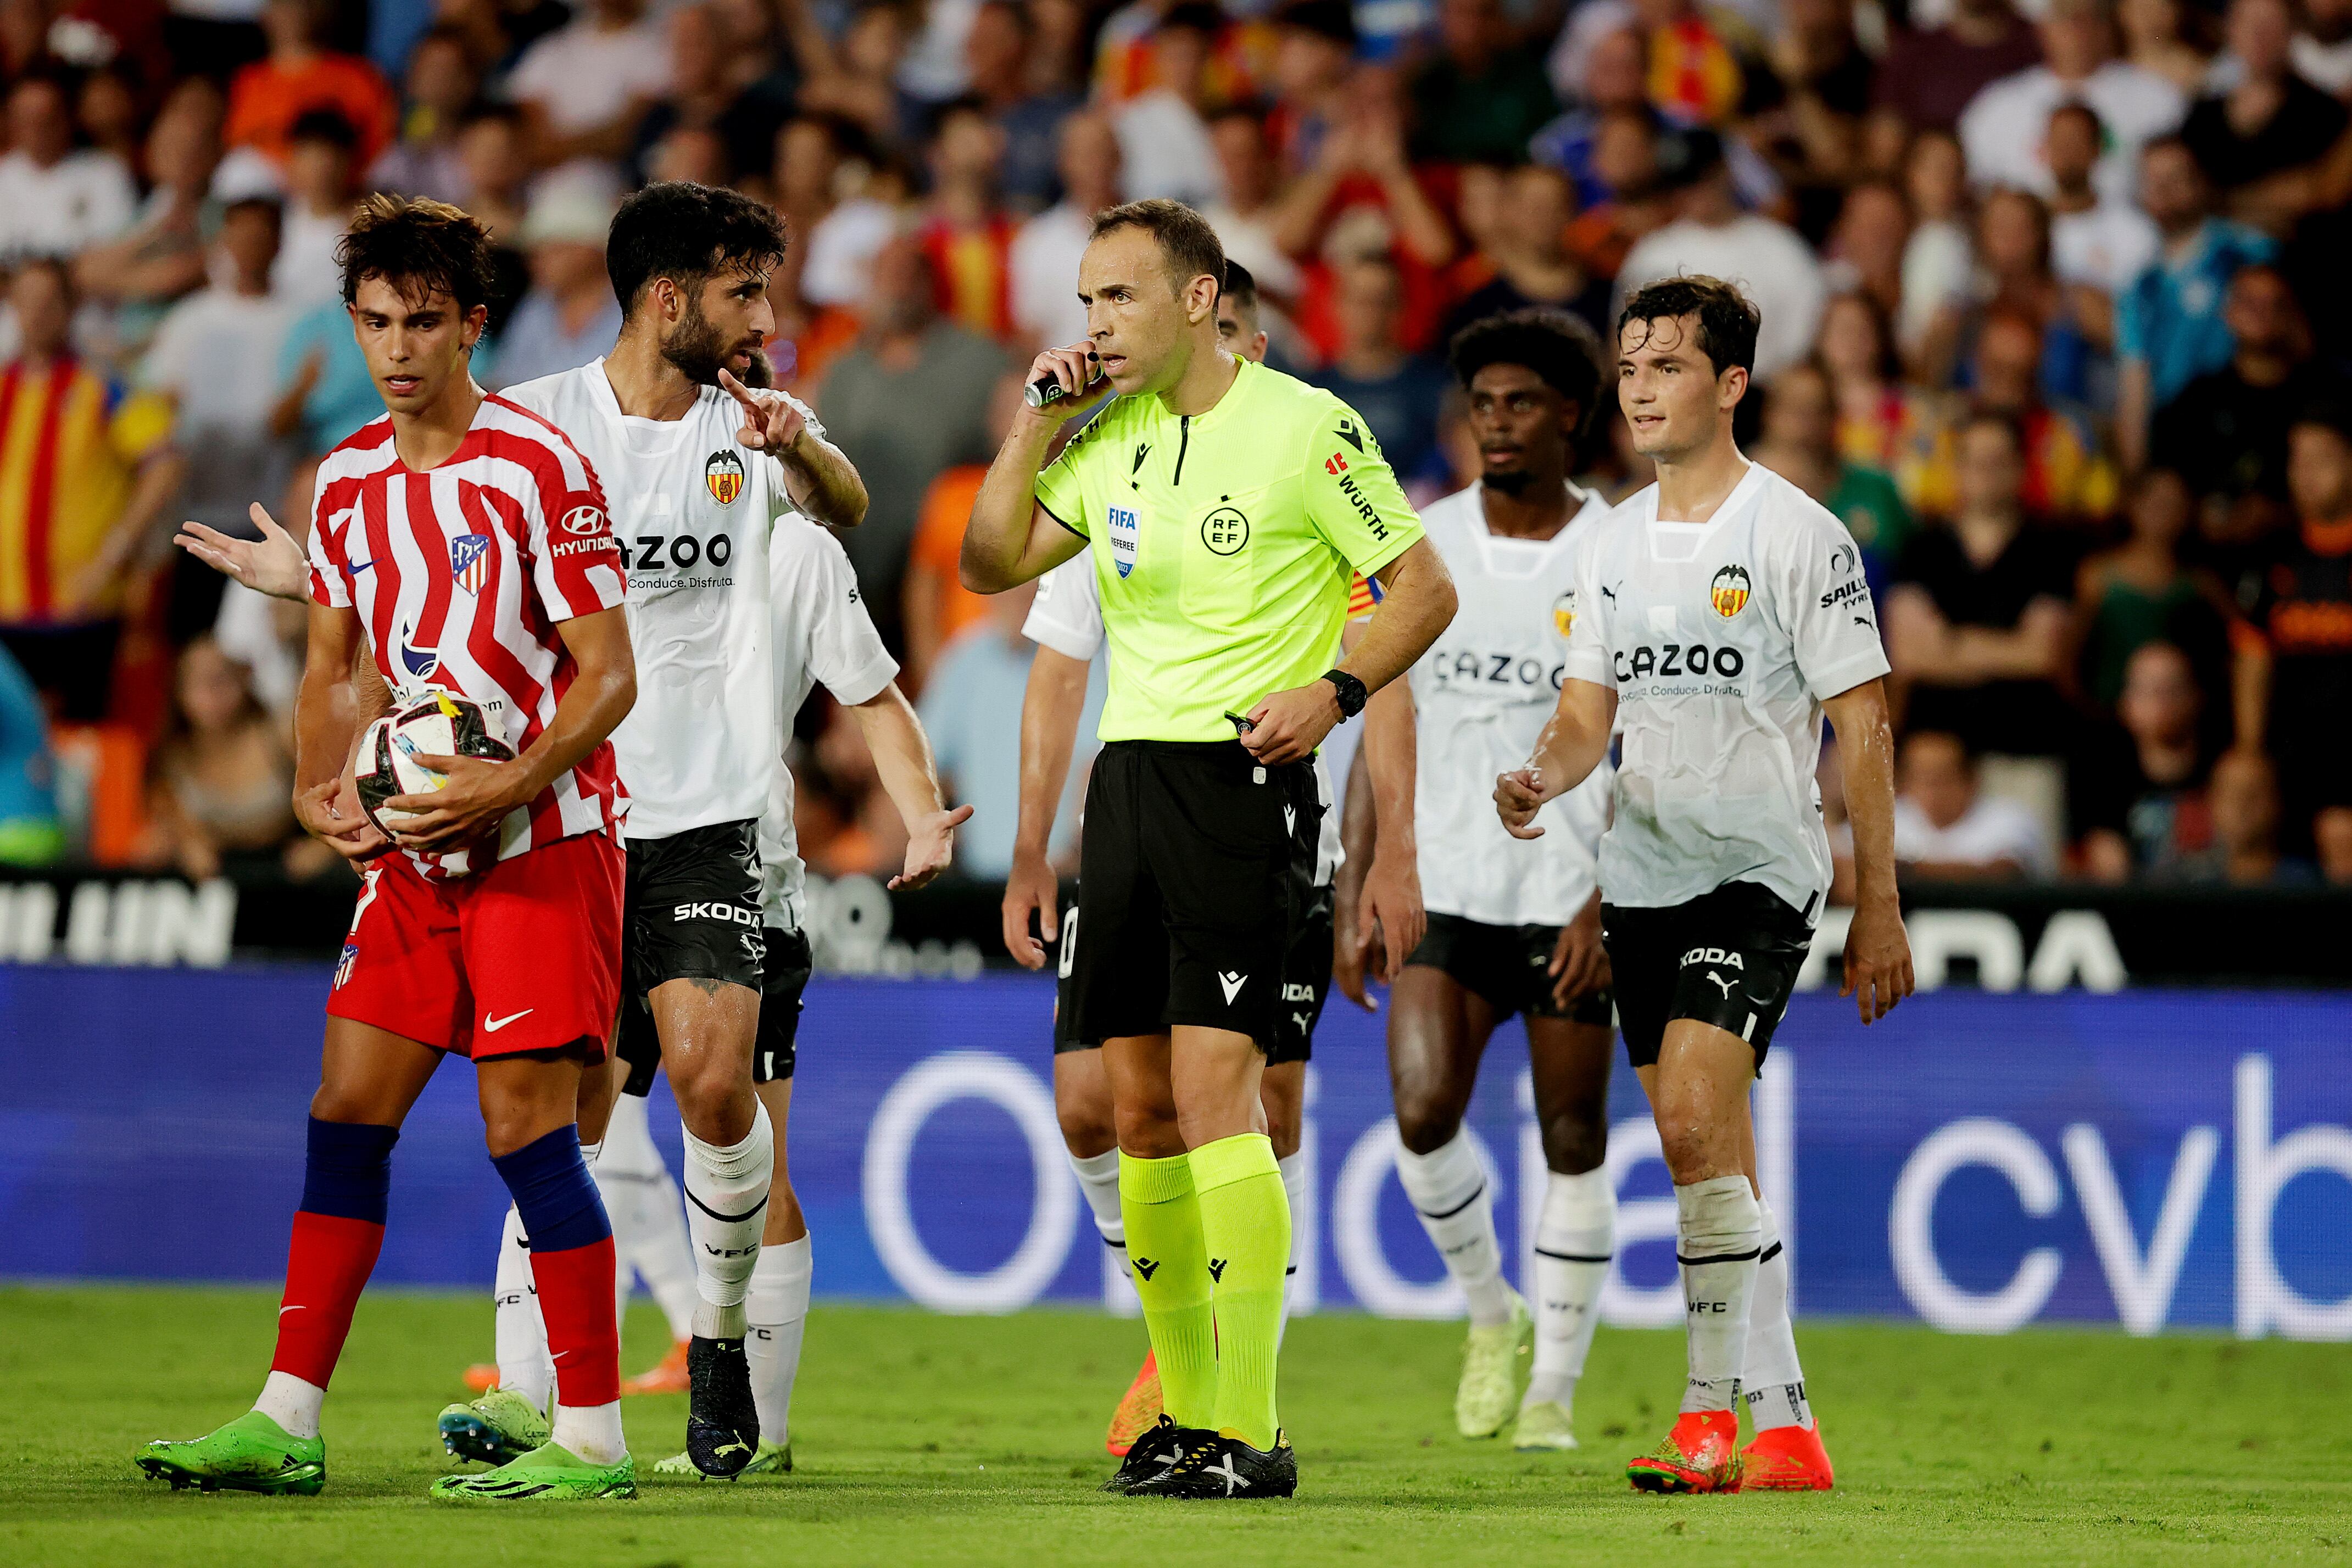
<point>1481,695</point>
<point>1722,640</point>
<point>1066,616</point>
<point>692,511</point>
<point>821,633</point>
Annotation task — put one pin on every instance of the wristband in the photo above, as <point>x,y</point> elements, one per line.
<point>1353,694</point>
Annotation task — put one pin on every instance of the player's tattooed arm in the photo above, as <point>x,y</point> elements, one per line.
<point>1574,740</point>
<point>330,710</point>
<point>1877,952</point>
<point>272,564</point>
<point>1051,707</point>
<point>818,476</point>
<point>902,756</point>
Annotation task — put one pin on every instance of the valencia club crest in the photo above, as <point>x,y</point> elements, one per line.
<point>723,472</point>
<point>1728,591</point>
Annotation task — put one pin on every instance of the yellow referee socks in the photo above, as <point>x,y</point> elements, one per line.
<point>1170,1262</point>
<point>1245,1220</point>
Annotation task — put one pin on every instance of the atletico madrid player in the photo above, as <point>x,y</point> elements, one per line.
<point>463,542</point>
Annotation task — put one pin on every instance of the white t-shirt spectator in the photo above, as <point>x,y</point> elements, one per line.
<point>305,272</point>
<point>81,199</point>
<point>583,76</point>
<point>217,353</point>
<point>1250,241</point>
<point>1164,150</point>
<point>1938,268</point>
<point>2002,128</point>
<point>2105,247</point>
<point>841,252</point>
<point>1044,262</point>
<point>1767,259</point>
<point>1991,829</point>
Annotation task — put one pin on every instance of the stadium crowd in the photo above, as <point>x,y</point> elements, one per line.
<point>2048,323</point>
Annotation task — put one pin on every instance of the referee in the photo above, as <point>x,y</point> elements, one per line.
<point>1228,505</point>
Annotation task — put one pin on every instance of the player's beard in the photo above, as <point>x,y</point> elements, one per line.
<point>699,351</point>
<point>1511,482</point>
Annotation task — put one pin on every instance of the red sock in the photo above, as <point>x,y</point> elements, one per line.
<point>327,1266</point>
<point>575,1298</point>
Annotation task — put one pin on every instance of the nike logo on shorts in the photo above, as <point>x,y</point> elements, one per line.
<point>492,1025</point>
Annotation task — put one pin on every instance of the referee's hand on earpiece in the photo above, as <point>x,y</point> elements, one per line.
<point>1518,795</point>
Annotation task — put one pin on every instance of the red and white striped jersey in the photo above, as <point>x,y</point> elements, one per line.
<point>461,575</point>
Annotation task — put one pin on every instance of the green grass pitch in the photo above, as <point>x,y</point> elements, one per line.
<point>927,1440</point>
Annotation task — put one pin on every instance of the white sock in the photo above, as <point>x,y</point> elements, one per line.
<point>648,1218</point>
<point>727,1207</point>
<point>777,1305</point>
<point>592,1432</point>
<point>1718,1233</point>
<point>1447,1187</point>
<point>1098,1179</point>
<point>1775,1382</point>
<point>291,1403</point>
<point>1574,1236</point>
<point>524,1365</point>
<point>1293,1184</point>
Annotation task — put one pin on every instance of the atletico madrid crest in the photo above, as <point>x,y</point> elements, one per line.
<point>469,561</point>
<point>1728,591</point>
<point>724,474</point>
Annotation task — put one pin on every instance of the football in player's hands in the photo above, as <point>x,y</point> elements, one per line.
<point>388,765</point>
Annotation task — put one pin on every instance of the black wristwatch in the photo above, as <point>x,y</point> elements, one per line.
<point>1353,694</point>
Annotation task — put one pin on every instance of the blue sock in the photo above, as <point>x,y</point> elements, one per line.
<point>347,1172</point>
<point>553,1192</point>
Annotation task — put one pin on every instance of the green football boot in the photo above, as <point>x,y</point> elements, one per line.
<point>498,1427</point>
<point>549,1473</point>
<point>772,1459</point>
<point>252,1453</point>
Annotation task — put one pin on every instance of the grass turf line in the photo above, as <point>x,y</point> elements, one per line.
<point>978,1440</point>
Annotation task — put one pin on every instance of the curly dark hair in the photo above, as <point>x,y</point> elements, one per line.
<point>1727,318</point>
<point>685,232</point>
<point>420,247</point>
<point>1555,345</point>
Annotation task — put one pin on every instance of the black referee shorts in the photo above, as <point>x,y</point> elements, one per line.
<point>1195,887</point>
<point>1306,981</point>
<point>1728,958</point>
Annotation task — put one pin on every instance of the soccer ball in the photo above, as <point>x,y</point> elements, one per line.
<point>442,725</point>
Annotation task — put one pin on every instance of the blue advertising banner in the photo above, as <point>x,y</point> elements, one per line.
<point>1978,1161</point>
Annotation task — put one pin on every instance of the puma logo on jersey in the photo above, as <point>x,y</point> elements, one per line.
<point>1719,980</point>
<point>1232,982</point>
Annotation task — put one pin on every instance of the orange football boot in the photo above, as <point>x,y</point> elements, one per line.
<point>667,1377</point>
<point>1786,1459</point>
<point>482,1376</point>
<point>1700,1455</point>
<point>1139,1411</point>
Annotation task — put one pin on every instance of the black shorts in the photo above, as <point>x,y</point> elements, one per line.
<point>1306,983</point>
<point>1507,967</point>
<point>1728,958</point>
<point>1194,890</point>
<point>691,911</point>
<point>783,976</point>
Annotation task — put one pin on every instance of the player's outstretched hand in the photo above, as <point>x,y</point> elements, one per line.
<point>1877,960</point>
<point>1352,936</point>
<point>330,812</point>
<point>930,847</point>
<point>476,797</point>
<point>770,423</point>
<point>1580,964</point>
<point>1392,901</point>
<point>1076,368</point>
<point>1031,889</point>
<point>272,564</point>
<point>1518,795</point>
<point>1288,725</point>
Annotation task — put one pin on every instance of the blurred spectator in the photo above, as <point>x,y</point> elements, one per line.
<point>1695,73</point>
<point>1315,51</point>
<point>1245,218</point>
<point>2143,591</point>
<point>2067,479</point>
<point>1615,81</point>
<point>161,255</point>
<point>1926,79</point>
<point>424,159</point>
<point>108,111</point>
<point>2332,831</point>
<point>585,89</point>
<point>1397,392</point>
<point>2003,127</point>
<point>1939,259</point>
<point>909,399</point>
<point>299,75</point>
<point>968,235</point>
<point>997,50</point>
<point>2227,430</point>
<point>1975,620</point>
<point>215,357</point>
<point>1478,95</point>
<point>2245,849</point>
<point>30,831</point>
<point>828,159</point>
<point>490,145</point>
<point>938,606</point>
<point>1045,253</point>
<point>89,473</point>
<point>220,785</point>
<point>2168,325</point>
<point>319,200</point>
<point>2097,245</point>
<point>2015,277</point>
<point>55,200</point>
<point>2136,794</point>
<point>2260,138</point>
<point>1710,234</point>
<point>2157,37</point>
<point>2322,52</point>
<point>1530,259</point>
<point>1946,829</point>
<point>324,390</point>
<point>860,81</point>
<point>1881,424</point>
<point>706,96</point>
<point>1866,243</point>
<point>1163,138</point>
<point>1822,75</point>
<point>2294,672</point>
<point>1800,444</point>
<point>569,317</point>
<point>1635,201</point>
<point>971,709</point>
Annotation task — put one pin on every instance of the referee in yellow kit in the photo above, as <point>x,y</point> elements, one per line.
<point>1228,505</point>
